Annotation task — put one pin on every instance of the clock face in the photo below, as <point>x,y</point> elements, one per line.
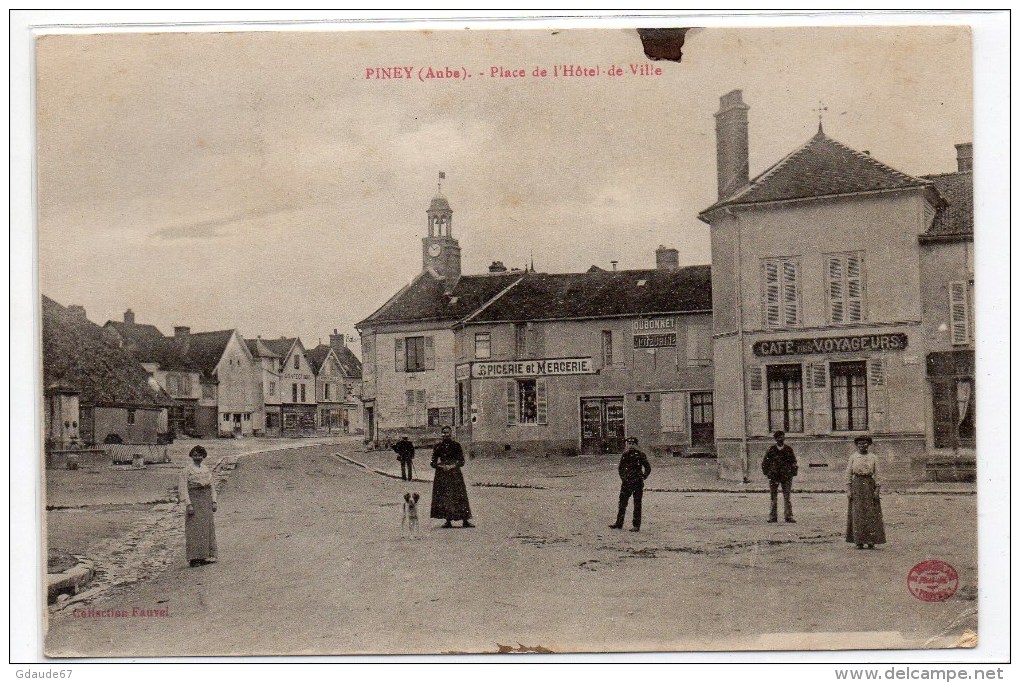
<point>435,250</point>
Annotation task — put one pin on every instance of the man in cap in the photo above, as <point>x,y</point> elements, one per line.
<point>780,467</point>
<point>633,469</point>
<point>405,455</point>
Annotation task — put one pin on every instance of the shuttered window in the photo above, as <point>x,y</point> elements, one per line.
<point>960,316</point>
<point>527,402</point>
<point>781,292</point>
<point>399,357</point>
<point>845,284</point>
<point>671,412</point>
<point>430,353</point>
<point>849,395</point>
<point>785,398</point>
<point>416,412</point>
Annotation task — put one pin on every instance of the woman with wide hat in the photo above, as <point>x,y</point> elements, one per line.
<point>197,492</point>
<point>864,526</point>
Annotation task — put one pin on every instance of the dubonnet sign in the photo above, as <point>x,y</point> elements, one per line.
<point>539,367</point>
<point>804,347</point>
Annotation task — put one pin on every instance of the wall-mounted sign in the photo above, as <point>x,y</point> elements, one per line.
<point>654,341</point>
<point>539,367</point>
<point>803,347</point>
<point>462,372</point>
<point>654,325</point>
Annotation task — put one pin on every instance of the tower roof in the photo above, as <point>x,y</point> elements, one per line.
<point>439,203</point>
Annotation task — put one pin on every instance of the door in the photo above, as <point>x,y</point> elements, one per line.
<point>237,423</point>
<point>602,425</point>
<point>370,423</point>
<point>702,419</point>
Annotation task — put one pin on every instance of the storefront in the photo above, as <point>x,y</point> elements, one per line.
<point>298,419</point>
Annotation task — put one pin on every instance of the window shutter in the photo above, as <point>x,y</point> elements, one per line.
<point>877,400</point>
<point>837,309</point>
<point>958,315</point>
<point>511,403</point>
<point>541,403</point>
<point>756,401</point>
<point>399,357</point>
<point>791,303</point>
<point>770,306</point>
<point>816,382</point>
<point>421,411</point>
<point>854,289</point>
<point>430,354</point>
<point>409,409</point>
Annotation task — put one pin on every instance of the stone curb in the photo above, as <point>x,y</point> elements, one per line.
<point>378,471</point>
<point>73,579</point>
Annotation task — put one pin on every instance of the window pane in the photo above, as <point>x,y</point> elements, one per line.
<point>527,400</point>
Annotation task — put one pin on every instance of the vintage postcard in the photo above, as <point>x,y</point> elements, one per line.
<point>503,341</point>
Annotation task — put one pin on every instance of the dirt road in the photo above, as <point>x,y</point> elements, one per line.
<point>312,560</point>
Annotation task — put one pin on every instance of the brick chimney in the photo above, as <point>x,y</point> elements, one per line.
<point>337,341</point>
<point>497,267</point>
<point>731,143</point>
<point>181,332</point>
<point>965,157</point>
<point>129,317</point>
<point>667,258</point>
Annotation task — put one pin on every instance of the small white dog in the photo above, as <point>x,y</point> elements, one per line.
<point>409,522</point>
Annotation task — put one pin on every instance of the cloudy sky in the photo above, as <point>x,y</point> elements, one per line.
<point>260,181</point>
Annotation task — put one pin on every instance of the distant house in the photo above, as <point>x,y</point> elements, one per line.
<point>297,385</point>
<point>96,391</point>
<point>175,373</point>
<point>267,364</point>
<point>329,389</point>
<point>350,369</point>
<point>226,363</point>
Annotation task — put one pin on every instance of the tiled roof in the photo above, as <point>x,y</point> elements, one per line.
<point>957,216</point>
<point>79,355</point>
<point>822,167</point>
<point>426,298</point>
<point>148,345</point>
<point>595,294</point>
<point>281,347</point>
<point>317,356</point>
<point>206,349</point>
<point>350,364</point>
<point>259,349</point>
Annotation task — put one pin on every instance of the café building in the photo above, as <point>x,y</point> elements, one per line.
<point>816,284</point>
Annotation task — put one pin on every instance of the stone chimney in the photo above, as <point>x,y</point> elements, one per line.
<point>667,258</point>
<point>181,332</point>
<point>731,144</point>
<point>965,157</point>
<point>77,311</point>
<point>497,267</point>
<point>129,317</point>
<point>337,341</point>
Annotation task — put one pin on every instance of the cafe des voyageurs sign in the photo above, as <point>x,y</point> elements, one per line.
<point>802,347</point>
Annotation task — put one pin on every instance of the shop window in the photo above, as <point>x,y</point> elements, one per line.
<point>462,407</point>
<point>483,345</point>
<point>954,412</point>
<point>781,292</point>
<point>130,417</point>
<point>849,385</point>
<point>845,286</point>
<point>520,340</point>
<point>607,348</point>
<point>526,402</point>
<point>785,398</point>
<point>440,417</point>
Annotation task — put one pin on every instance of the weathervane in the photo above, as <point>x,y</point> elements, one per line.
<point>442,177</point>
<point>819,110</point>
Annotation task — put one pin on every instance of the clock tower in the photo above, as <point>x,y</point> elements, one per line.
<point>440,251</point>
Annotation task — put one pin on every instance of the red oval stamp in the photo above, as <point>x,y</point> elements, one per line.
<point>933,581</point>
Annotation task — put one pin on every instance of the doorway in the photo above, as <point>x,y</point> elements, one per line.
<point>237,424</point>
<point>602,425</point>
<point>702,419</point>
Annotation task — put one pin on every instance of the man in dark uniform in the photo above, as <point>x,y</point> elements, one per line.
<point>449,493</point>
<point>405,454</point>
<point>634,469</point>
<point>780,466</point>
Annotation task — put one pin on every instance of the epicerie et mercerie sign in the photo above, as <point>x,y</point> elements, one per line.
<point>654,333</point>
<point>804,347</point>
<point>539,367</point>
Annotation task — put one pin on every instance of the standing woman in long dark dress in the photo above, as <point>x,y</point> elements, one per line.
<point>449,494</point>
<point>864,525</point>
<point>197,491</point>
